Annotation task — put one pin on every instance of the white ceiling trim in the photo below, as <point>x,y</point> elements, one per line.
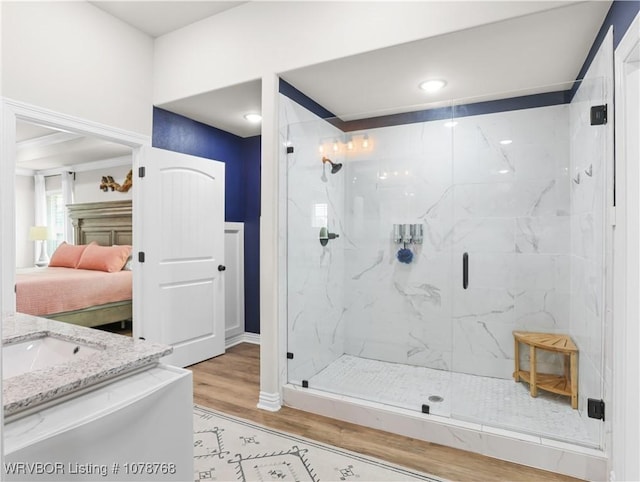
<point>88,166</point>
<point>47,141</point>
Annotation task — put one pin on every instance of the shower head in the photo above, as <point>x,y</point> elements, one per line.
<point>335,166</point>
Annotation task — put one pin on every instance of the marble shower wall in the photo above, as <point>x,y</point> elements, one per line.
<point>591,159</point>
<point>315,274</point>
<point>506,205</point>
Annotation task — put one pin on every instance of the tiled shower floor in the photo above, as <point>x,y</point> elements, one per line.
<point>483,400</point>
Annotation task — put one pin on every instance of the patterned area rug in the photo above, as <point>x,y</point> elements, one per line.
<point>227,449</point>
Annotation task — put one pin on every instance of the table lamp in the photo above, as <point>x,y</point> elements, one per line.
<point>41,234</point>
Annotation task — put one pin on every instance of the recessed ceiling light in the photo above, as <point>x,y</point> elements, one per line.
<point>506,142</point>
<point>255,118</point>
<point>432,85</point>
<point>450,124</point>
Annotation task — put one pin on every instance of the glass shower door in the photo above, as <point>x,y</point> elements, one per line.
<point>315,238</point>
<point>369,306</point>
<point>528,202</point>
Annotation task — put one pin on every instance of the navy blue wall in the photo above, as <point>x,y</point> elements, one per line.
<point>180,134</point>
<point>242,186</point>
<point>251,155</point>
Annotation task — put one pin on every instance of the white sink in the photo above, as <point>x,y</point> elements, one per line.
<point>42,352</point>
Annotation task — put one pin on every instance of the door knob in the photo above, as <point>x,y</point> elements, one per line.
<point>221,267</point>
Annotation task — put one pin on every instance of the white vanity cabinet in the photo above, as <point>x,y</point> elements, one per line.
<point>138,427</point>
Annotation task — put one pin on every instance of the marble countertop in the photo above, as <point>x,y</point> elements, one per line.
<point>118,355</point>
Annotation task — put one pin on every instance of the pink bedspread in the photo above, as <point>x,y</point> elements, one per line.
<point>56,290</point>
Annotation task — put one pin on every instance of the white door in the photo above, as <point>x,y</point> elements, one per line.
<point>181,202</point>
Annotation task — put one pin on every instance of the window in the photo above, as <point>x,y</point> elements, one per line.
<point>320,215</point>
<point>56,213</point>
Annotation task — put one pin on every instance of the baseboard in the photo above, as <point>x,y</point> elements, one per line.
<point>245,337</point>
<point>269,401</point>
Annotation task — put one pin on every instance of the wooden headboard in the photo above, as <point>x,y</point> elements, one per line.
<point>106,223</point>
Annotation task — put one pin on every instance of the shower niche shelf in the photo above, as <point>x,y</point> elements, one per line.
<point>566,384</point>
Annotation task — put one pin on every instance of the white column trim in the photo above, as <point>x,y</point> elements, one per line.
<point>269,266</point>
<point>270,401</point>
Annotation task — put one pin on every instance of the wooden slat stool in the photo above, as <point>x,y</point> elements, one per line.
<point>566,384</point>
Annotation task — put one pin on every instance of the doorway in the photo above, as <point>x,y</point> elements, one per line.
<point>18,117</point>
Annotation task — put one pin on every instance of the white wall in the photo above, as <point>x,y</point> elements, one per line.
<point>73,58</point>
<point>255,39</point>
<point>25,250</point>
<point>86,188</point>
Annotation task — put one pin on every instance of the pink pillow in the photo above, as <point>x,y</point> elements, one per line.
<point>67,255</point>
<point>104,258</point>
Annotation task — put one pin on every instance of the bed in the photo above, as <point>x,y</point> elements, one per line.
<point>93,297</point>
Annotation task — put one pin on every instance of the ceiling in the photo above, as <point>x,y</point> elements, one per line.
<point>529,54</point>
<point>158,18</point>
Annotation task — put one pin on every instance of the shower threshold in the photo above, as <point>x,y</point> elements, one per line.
<point>482,400</point>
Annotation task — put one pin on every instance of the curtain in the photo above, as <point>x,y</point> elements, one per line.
<point>40,200</point>
<point>67,198</point>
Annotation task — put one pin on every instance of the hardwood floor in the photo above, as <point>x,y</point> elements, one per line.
<point>230,383</point>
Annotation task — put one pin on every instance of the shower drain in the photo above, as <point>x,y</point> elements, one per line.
<point>435,398</point>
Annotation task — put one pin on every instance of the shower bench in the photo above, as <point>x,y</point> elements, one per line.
<point>566,384</point>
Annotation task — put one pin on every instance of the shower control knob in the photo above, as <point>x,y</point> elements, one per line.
<point>221,267</point>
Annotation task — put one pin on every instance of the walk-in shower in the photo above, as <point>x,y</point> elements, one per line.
<point>451,233</point>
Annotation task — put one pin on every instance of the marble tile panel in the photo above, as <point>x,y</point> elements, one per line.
<point>482,200</point>
<point>483,235</point>
<point>546,311</point>
<point>537,198</point>
<point>483,347</point>
<point>563,195</point>
<point>479,304</point>
<point>540,161</point>
<point>539,271</point>
<point>477,159</point>
<point>543,235</point>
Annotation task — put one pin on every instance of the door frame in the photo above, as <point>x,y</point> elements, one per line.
<point>11,112</point>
